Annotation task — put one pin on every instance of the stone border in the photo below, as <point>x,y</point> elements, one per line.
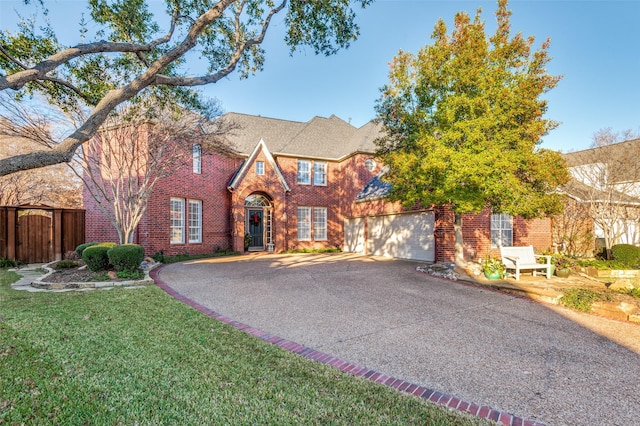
<point>40,282</point>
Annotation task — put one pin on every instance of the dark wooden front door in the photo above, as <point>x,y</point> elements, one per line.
<point>256,228</point>
<point>34,237</point>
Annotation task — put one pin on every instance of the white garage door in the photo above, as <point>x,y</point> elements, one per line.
<point>354,235</point>
<point>405,236</point>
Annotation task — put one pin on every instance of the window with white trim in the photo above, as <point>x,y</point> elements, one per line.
<point>501,230</point>
<point>320,223</point>
<point>195,221</point>
<point>177,221</point>
<point>304,172</point>
<point>260,168</point>
<point>197,159</point>
<point>304,223</point>
<point>320,173</point>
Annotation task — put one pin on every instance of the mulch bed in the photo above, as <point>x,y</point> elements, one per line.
<point>68,275</point>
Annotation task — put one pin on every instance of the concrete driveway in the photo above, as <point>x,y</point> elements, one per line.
<point>538,362</point>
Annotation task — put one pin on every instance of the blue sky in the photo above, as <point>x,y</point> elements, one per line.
<point>595,45</point>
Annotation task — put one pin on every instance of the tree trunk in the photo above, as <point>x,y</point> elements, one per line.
<point>459,243</point>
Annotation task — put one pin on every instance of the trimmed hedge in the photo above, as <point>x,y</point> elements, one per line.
<point>626,253</point>
<point>126,257</point>
<point>96,256</point>
<point>81,247</point>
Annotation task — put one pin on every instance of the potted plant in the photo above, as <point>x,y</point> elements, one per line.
<point>493,268</point>
<point>247,241</point>
<point>563,266</point>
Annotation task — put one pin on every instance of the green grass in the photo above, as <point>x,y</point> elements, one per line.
<point>141,357</point>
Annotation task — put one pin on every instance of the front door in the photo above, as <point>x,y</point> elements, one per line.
<point>256,228</point>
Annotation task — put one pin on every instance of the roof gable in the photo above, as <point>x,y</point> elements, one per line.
<point>260,147</point>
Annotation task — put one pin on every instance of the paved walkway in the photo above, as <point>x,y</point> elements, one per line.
<point>466,346</point>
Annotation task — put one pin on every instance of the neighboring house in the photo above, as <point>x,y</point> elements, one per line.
<point>606,182</point>
<point>293,185</point>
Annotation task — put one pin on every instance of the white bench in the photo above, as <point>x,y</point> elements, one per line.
<point>523,258</point>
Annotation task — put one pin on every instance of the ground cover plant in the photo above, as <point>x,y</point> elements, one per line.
<point>581,299</point>
<point>141,357</point>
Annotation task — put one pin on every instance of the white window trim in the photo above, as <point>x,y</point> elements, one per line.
<point>197,159</point>
<point>260,170</point>
<point>502,219</point>
<point>322,229</point>
<point>181,226</point>
<point>307,223</point>
<point>198,225</point>
<point>324,172</point>
<point>308,172</point>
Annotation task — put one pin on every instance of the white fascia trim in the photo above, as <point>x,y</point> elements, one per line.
<point>261,145</point>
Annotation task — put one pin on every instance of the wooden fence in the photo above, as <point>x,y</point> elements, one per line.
<point>39,234</point>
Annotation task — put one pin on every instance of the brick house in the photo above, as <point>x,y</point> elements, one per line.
<point>291,185</point>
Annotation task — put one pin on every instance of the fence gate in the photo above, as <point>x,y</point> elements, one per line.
<point>39,234</point>
<point>34,236</point>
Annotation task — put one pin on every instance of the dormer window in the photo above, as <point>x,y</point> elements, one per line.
<point>260,168</point>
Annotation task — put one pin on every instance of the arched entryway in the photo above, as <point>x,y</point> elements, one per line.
<point>258,214</point>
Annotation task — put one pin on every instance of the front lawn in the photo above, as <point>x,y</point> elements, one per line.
<point>137,356</point>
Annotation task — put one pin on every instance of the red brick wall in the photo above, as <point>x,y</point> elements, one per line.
<point>313,195</point>
<point>97,227</point>
<point>476,234</point>
<point>153,231</point>
<point>210,187</point>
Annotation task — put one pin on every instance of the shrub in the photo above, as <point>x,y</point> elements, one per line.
<point>626,253</point>
<point>66,264</point>
<point>126,257</point>
<point>158,256</point>
<point>7,263</point>
<point>96,257</point>
<point>83,246</point>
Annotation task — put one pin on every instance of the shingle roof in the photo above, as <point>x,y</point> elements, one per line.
<point>329,138</point>
<point>375,189</point>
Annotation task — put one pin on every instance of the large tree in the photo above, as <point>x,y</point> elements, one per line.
<point>55,185</point>
<point>130,53</point>
<point>463,120</point>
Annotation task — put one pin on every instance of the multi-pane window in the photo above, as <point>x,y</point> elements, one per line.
<point>319,173</point>
<point>195,221</point>
<point>197,159</point>
<point>501,230</point>
<point>304,172</point>
<point>304,223</point>
<point>177,221</point>
<point>319,223</point>
<point>260,168</point>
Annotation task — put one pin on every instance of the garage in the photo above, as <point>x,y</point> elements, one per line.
<point>401,235</point>
<point>354,235</point>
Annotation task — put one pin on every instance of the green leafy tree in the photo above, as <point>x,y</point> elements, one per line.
<point>131,53</point>
<point>463,119</point>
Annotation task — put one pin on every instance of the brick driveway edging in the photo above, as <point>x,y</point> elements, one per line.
<point>431,395</point>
